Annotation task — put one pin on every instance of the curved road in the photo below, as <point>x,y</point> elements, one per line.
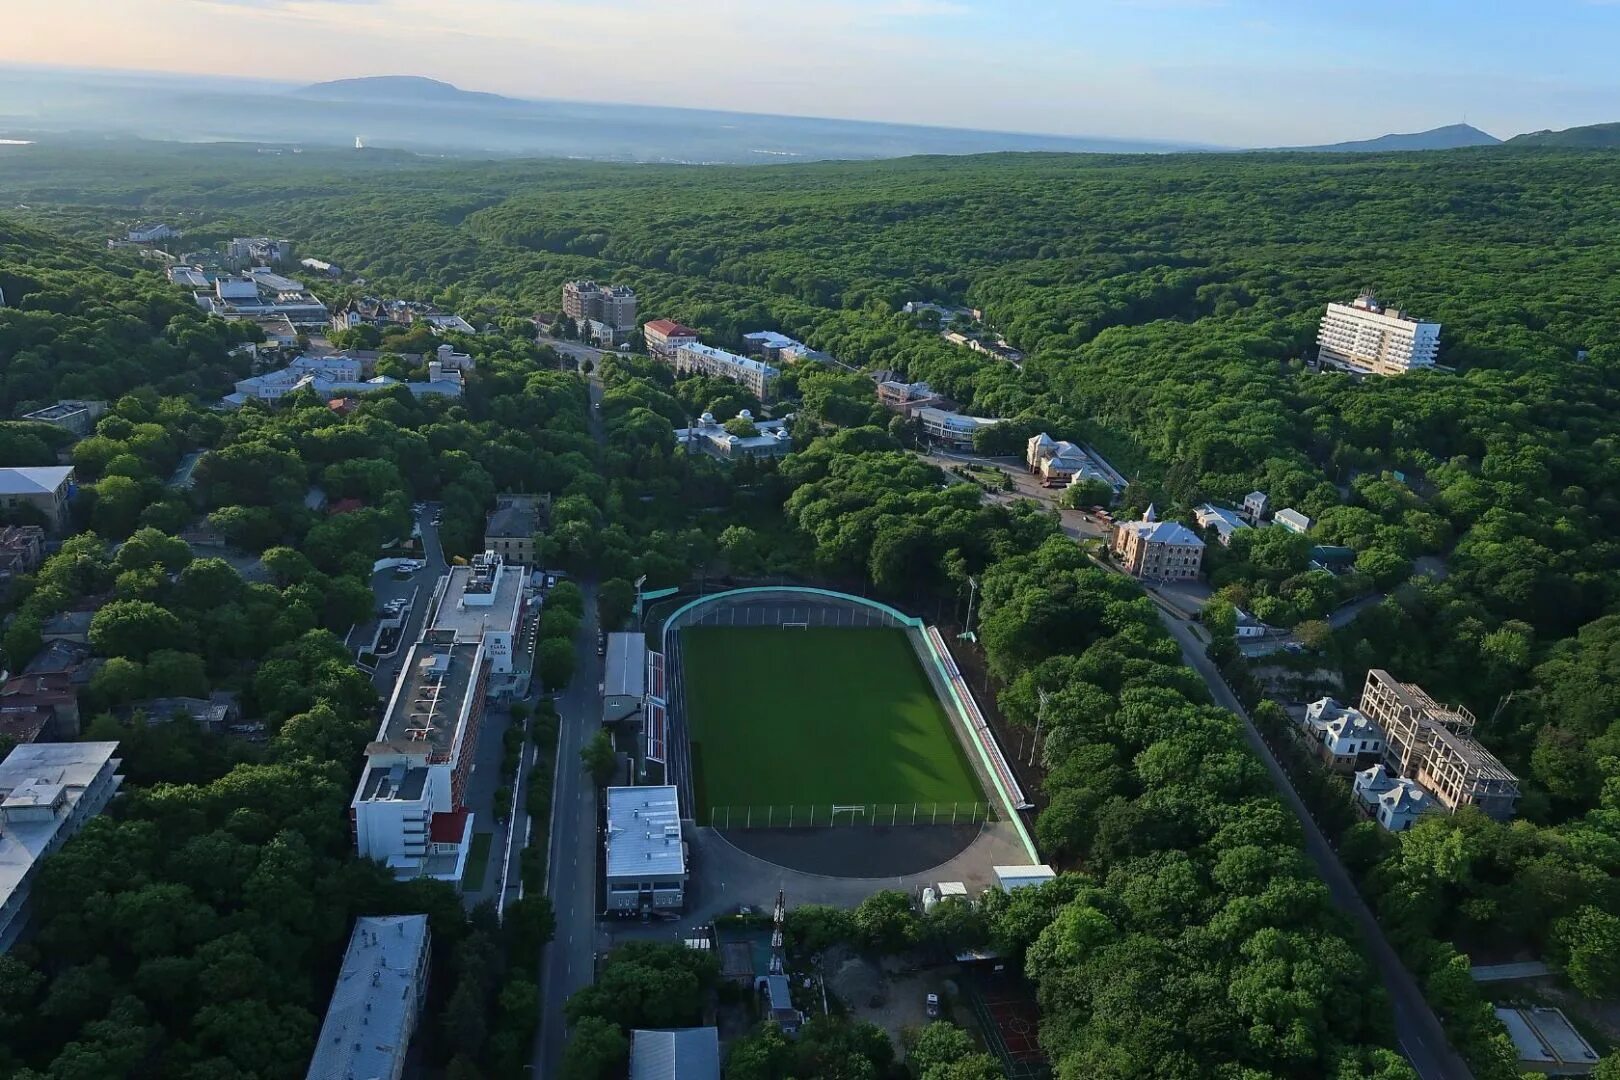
<point>1417,1029</point>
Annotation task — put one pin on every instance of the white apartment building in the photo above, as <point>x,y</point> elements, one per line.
<point>48,791</point>
<point>483,602</point>
<point>1226,522</point>
<point>756,376</point>
<point>645,863</point>
<point>1345,739</point>
<point>1366,337</point>
<point>410,811</point>
<point>377,1000</point>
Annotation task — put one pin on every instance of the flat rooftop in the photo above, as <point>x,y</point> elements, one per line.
<point>431,697</point>
<point>37,775</point>
<point>477,601</point>
<point>644,833</point>
<point>626,670</point>
<point>372,1011</point>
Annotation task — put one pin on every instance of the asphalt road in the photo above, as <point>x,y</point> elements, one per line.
<point>569,961</point>
<point>1417,1029</point>
<point>420,586</point>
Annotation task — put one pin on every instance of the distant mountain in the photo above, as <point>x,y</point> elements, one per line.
<point>1449,137</point>
<point>412,89</point>
<point>1592,136</point>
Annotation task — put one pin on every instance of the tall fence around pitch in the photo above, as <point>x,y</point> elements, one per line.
<point>855,815</point>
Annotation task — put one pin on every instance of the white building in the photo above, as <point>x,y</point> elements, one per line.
<point>149,233</point>
<point>1023,877</point>
<point>483,602</point>
<point>258,292</point>
<point>1061,463</point>
<point>46,488</point>
<point>1292,520</point>
<point>1255,506</point>
<point>441,323</point>
<point>376,1002</point>
<point>410,809</point>
<point>259,251</point>
<point>1366,337</point>
<point>48,791</point>
<point>771,438</point>
<point>1224,521</point>
<point>953,429</point>
<point>645,863</point>
<point>336,376</point>
<point>756,376</point>
<point>1344,738</point>
<point>1394,801</point>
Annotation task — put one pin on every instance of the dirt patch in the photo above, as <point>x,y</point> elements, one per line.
<point>891,995</point>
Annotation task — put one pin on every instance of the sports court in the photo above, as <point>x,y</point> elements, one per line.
<point>1010,1022</point>
<point>798,721</point>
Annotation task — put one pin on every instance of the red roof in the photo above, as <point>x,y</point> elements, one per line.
<point>448,828</point>
<point>671,328</point>
<point>345,506</point>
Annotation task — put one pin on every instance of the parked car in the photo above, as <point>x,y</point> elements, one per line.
<point>931,1005</point>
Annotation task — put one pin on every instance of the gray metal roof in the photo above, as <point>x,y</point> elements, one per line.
<point>679,1054</point>
<point>626,674</point>
<point>33,480</point>
<point>374,1004</point>
<point>644,833</point>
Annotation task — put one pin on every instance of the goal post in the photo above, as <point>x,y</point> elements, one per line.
<point>795,626</point>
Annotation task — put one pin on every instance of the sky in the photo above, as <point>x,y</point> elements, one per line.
<point>1226,72</point>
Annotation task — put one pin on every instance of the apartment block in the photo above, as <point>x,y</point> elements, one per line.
<point>1369,338</point>
<point>79,417</point>
<point>756,376</point>
<point>1433,744</point>
<point>48,792</point>
<point>612,305</point>
<point>376,1001</point>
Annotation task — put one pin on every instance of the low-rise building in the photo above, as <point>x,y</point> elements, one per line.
<point>510,528</point>
<point>71,626</point>
<point>645,858</point>
<point>1343,738</point>
<point>48,791</point>
<point>483,602</point>
<point>149,233</point>
<point>1546,1042</point>
<point>1224,521</point>
<point>258,292</point>
<point>624,680</point>
<point>214,713</point>
<point>677,1054</point>
<point>50,696</point>
<point>376,1001</point>
<point>1060,463</point>
<point>904,397</point>
<point>338,376</point>
<point>442,323</point>
<point>756,376</point>
<point>1155,550</point>
<point>321,266</point>
<point>1256,504</point>
<point>250,251</point>
<point>1395,802</point>
<point>664,336</point>
<point>770,345</point>
<point>410,810</point>
<point>44,488</point>
<point>1292,520</point>
<point>22,549</point>
<point>1433,744</point>
<point>952,429</point>
<point>1023,877</point>
<point>78,417</point>
<point>753,439</point>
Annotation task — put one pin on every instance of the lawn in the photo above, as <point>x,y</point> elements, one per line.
<point>472,877</point>
<point>816,717</point>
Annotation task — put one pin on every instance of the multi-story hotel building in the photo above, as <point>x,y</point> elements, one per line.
<point>410,810</point>
<point>1367,337</point>
<point>484,603</point>
<point>1434,745</point>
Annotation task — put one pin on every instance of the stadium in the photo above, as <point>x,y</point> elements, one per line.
<point>826,733</point>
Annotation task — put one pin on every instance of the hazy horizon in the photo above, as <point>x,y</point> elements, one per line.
<point>1234,73</point>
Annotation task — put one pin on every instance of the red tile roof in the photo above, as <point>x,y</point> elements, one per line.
<point>345,506</point>
<point>448,828</point>
<point>671,328</point>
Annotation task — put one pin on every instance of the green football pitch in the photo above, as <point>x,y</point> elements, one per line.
<point>814,718</point>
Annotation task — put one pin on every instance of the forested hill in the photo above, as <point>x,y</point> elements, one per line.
<point>85,323</point>
<point>1593,136</point>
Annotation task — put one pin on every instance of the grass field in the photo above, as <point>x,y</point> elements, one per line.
<point>819,716</point>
